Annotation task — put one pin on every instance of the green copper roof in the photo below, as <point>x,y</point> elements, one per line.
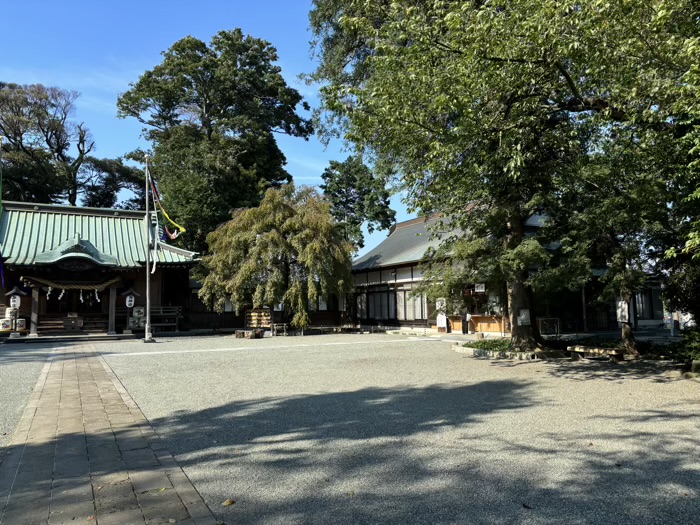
<point>39,234</point>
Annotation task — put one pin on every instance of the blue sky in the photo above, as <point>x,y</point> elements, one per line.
<point>98,48</point>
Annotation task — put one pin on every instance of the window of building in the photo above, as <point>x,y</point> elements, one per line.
<point>649,305</point>
<point>401,305</point>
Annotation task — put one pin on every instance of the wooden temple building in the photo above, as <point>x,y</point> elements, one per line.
<point>74,268</point>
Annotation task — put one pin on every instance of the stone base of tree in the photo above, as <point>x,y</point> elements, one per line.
<point>579,352</point>
<point>250,334</point>
<point>496,354</point>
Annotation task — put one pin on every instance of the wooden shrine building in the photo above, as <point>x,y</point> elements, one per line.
<point>75,267</point>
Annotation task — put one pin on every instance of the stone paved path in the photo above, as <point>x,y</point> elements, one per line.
<point>83,453</point>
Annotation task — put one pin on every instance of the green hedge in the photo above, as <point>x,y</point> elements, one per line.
<point>683,351</point>
<point>496,345</point>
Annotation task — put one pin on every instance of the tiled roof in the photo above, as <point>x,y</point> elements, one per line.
<point>36,234</point>
<point>407,243</point>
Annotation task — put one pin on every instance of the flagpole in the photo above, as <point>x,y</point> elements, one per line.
<point>2,263</point>
<point>1,152</point>
<point>148,336</point>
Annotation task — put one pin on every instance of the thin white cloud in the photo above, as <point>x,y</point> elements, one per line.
<point>309,163</point>
<point>98,88</point>
<point>97,104</point>
<point>112,80</point>
<point>315,180</point>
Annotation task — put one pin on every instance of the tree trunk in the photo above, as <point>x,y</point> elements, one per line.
<point>73,194</point>
<point>524,337</point>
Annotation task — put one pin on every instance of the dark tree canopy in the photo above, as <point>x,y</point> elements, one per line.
<point>105,178</point>
<point>211,112</point>
<point>357,197</point>
<point>46,154</point>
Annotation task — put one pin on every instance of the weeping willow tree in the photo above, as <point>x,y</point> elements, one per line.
<point>287,250</point>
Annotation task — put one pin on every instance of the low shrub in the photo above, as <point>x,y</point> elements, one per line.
<point>683,351</point>
<point>495,345</point>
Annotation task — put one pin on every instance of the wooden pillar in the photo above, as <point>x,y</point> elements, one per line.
<point>34,321</point>
<point>111,330</point>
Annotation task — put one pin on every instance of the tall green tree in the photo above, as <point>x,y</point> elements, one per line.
<point>488,110</point>
<point>211,112</point>
<point>286,250</point>
<point>357,198</point>
<point>607,220</point>
<point>46,154</point>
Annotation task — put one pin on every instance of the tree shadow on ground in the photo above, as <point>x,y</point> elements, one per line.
<point>588,369</point>
<point>432,456</point>
<point>37,352</point>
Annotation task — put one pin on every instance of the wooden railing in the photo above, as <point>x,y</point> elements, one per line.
<point>161,316</point>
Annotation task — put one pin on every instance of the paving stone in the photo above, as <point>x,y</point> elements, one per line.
<point>46,439</point>
<point>32,516</point>
<point>147,480</point>
<point>63,513</point>
<point>165,505</point>
<point>109,478</point>
<point>123,517</point>
<point>94,427</point>
<point>41,467</point>
<point>104,449</point>
<point>26,509</point>
<point>198,510</point>
<point>32,482</point>
<point>108,467</point>
<point>135,459</point>
<point>116,505</point>
<point>132,443</point>
<point>73,467</point>
<point>71,490</point>
<point>99,438</point>
<point>67,443</point>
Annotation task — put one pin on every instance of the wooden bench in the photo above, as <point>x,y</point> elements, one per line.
<point>580,351</point>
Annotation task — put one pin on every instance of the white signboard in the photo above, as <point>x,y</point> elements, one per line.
<point>480,288</point>
<point>524,317</point>
<point>623,313</point>
<point>130,301</point>
<point>139,311</point>
<point>15,301</point>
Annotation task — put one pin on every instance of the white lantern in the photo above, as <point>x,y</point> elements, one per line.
<point>15,301</point>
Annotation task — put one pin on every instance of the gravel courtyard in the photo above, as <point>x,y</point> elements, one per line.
<point>380,429</point>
